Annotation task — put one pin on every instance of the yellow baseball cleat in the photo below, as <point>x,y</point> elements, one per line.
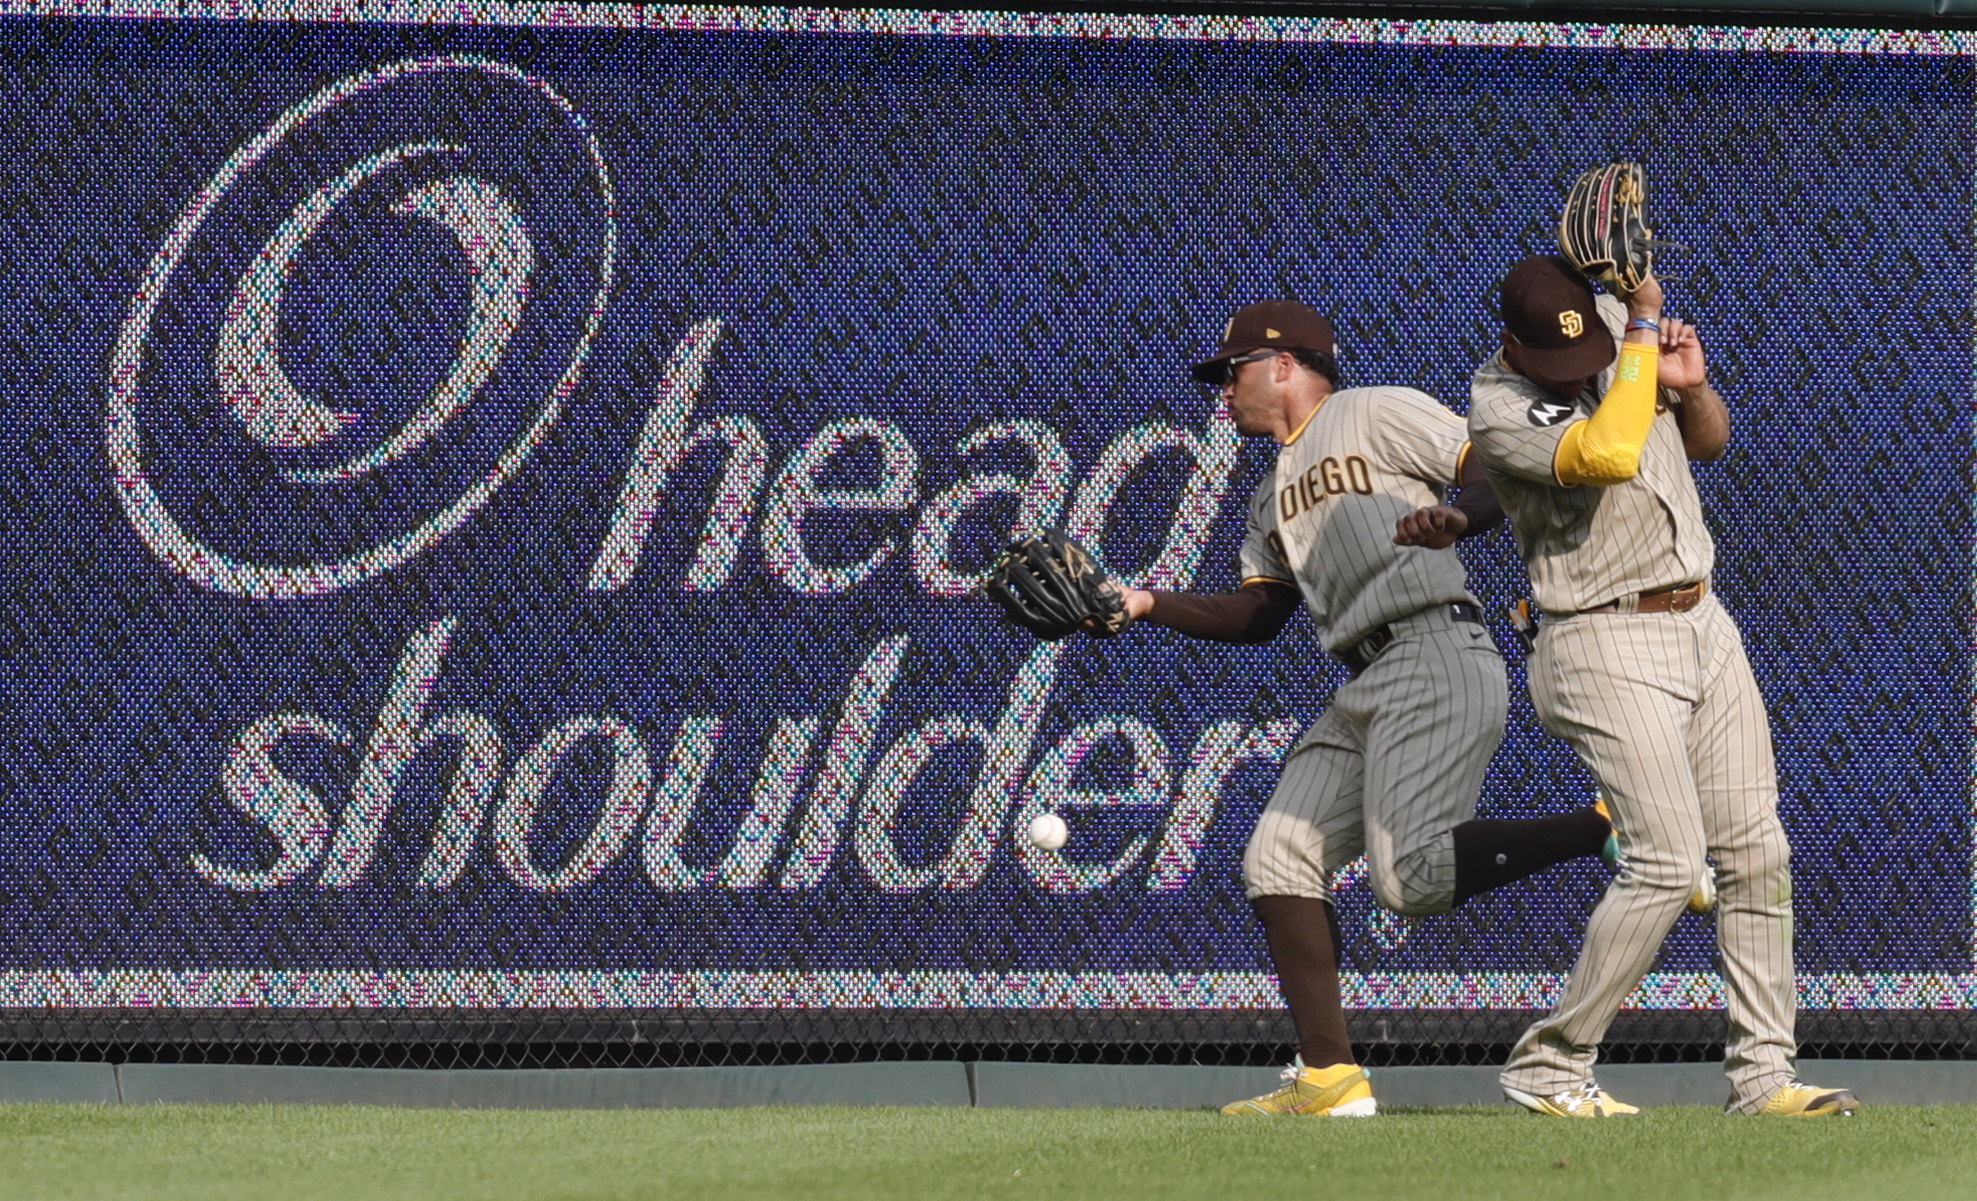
<point>1341,1091</point>
<point>1586,1101</point>
<point>1797,1099</point>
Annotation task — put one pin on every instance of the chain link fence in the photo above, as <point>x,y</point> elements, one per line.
<point>491,512</point>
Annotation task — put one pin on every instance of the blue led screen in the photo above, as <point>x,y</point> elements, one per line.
<point>489,500</point>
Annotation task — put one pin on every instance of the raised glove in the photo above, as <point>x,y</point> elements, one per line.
<point>1603,230</point>
<point>1053,587</point>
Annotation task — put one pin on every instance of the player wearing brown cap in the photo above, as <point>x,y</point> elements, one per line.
<point>1586,421</point>
<point>1351,524</point>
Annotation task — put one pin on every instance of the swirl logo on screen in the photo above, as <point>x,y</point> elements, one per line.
<point>361,327</point>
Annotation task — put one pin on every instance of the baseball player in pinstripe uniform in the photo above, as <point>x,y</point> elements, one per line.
<point>1586,421</point>
<point>1351,524</point>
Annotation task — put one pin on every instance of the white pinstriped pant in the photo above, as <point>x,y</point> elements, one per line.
<point>1394,763</point>
<point>1664,711</point>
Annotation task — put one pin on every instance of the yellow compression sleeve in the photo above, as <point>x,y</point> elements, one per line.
<point>1606,448</point>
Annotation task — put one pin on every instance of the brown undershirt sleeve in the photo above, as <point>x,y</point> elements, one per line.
<point>1251,614</point>
<point>1479,504</point>
<point>1477,499</point>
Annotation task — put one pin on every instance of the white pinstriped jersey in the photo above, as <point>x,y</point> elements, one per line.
<point>1325,519</point>
<point>1664,711</point>
<point>1585,546</point>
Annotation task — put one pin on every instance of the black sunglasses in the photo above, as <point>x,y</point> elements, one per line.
<point>1226,370</point>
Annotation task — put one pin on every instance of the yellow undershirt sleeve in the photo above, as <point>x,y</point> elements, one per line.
<point>1606,448</point>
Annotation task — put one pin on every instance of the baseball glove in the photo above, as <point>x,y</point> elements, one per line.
<point>1603,230</point>
<point>1053,587</point>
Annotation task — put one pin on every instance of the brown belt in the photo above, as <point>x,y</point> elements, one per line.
<point>1679,599</point>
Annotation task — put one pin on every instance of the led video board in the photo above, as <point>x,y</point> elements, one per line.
<point>494,493</point>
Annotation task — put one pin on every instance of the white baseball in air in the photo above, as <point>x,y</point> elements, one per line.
<point>1048,831</point>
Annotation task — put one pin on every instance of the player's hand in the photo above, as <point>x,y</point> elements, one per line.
<point>1682,364</point>
<point>1139,603</point>
<point>1435,527</point>
<point>1644,301</point>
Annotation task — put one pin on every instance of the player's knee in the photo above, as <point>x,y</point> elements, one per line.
<point>1764,861</point>
<point>1276,864</point>
<point>1409,884</point>
<point>1414,903</point>
<point>1253,889</point>
<point>1257,854</point>
<point>1666,869</point>
<point>1285,884</point>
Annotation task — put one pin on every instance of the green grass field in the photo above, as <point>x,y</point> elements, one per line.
<point>291,1153</point>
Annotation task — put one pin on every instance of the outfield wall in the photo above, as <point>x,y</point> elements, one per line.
<point>493,492</point>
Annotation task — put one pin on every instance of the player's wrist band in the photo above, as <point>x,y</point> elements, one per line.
<point>1643,323</point>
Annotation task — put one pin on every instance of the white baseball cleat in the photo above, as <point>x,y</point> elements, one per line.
<point>1586,1101</point>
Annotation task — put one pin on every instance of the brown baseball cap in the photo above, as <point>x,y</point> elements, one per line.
<point>1548,308</point>
<point>1282,324</point>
